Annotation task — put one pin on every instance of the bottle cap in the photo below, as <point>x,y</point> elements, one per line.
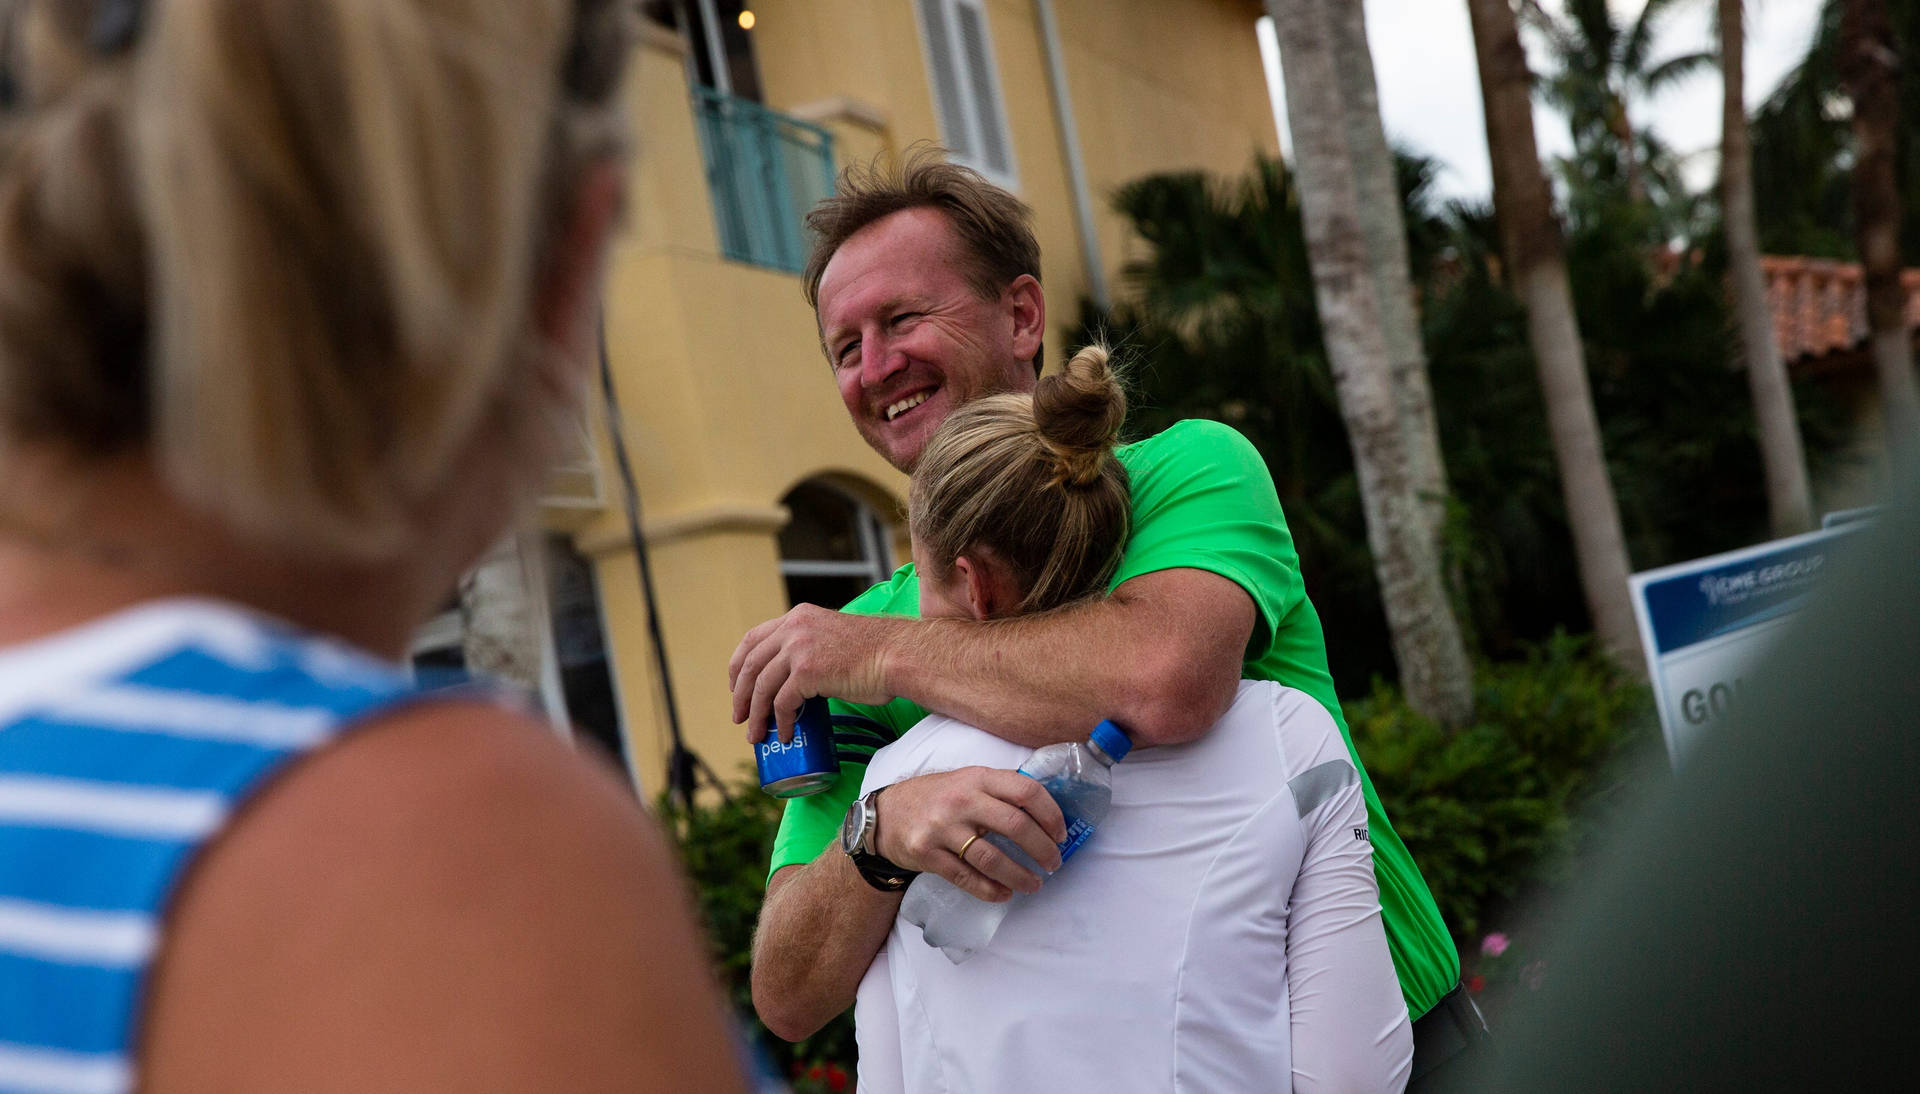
<point>1112,740</point>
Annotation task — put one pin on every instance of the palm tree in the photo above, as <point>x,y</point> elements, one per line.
<point>1378,191</point>
<point>1869,64</point>
<point>1218,321</point>
<point>1802,153</point>
<point>1434,669</point>
<point>1789,501</point>
<point>1536,254</point>
<point>1598,66</point>
<point>1221,301</point>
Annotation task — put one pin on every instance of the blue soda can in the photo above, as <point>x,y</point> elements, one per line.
<point>805,765</point>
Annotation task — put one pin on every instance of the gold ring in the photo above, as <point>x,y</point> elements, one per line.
<point>969,843</point>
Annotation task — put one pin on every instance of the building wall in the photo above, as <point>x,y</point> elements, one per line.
<point>724,398</point>
<point>1159,86</point>
<point>828,58</point>
<point>1162,87</point>
<point>726,404</point>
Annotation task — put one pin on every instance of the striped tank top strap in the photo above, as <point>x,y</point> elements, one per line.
<point>125,745</point>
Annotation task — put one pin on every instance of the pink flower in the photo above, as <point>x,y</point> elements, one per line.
<point>1494,944</point>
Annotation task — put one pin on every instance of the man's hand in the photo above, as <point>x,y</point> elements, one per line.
<point>926,821</point>
<point>821,924</point>
<point>808,651</point>
<point>1160,656</point>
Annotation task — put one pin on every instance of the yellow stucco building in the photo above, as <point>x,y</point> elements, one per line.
<point>754,490</point>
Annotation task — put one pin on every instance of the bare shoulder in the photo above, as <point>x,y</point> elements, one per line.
<point>446,899</point>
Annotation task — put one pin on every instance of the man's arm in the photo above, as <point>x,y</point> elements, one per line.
<point>1161,656</point>
<point>1208,562</point>
<point>821,924</point>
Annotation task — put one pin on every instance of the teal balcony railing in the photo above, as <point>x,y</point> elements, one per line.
<point>764,170</point>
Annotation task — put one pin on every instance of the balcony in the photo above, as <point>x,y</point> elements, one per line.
<point>764,170</point>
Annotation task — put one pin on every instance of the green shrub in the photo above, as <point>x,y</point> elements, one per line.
<point>724,848</point>
<point>1499,804</point>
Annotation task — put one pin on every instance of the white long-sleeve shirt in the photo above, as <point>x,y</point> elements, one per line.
<point>1220,931</point>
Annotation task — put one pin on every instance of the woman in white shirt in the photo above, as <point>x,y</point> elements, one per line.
<point>1221,931</point>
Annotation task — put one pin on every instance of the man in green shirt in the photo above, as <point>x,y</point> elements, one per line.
<point>925,284</point>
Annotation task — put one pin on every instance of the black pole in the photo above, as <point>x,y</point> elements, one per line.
<point>683,766</point>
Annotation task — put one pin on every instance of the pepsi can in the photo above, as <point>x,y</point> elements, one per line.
<point>805,765</point>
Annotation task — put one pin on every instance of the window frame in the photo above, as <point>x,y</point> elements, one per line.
<point>970,98</point>
<point>876,564</point>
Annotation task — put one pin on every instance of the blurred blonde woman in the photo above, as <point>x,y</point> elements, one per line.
<point>291,296</point>
<point>1221,931</point>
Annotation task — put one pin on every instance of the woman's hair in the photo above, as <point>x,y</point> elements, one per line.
<point>288,251</point>
<point>1034,480</point>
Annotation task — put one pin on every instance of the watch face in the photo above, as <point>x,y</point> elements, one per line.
<point>850,826</point>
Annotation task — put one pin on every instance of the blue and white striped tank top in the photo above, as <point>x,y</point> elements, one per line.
<point>125,744</point>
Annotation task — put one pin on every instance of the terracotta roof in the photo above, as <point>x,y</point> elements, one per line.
<point>1820,307</point>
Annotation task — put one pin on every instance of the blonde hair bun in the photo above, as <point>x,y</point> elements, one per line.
<point>1079,411</point>
<point>1035,480</point>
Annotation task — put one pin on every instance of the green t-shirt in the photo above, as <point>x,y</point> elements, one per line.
<point>1202,499</point>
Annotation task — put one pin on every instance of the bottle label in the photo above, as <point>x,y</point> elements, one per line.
<point>1061,789</point>
<point>1077,832</point>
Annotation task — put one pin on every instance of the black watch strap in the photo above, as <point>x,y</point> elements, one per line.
<point>881,873</point>
<point>876,869</point>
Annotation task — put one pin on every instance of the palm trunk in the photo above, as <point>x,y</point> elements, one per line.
<point>1386,233</point>
<point>1789,501</point>
<point>1536,254</point>
<point>1434,670</point>
<point>1869,64</point>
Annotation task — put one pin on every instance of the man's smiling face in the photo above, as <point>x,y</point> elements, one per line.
<point>910,339</point>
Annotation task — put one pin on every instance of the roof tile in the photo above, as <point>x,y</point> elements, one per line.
<point>1820,305</point>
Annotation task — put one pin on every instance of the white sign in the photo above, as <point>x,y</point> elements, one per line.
<point>1704,623</point>
<point>1840,517</point>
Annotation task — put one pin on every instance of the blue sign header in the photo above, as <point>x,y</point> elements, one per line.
<point>1704,603</point>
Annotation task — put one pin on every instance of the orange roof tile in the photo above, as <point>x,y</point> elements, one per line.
<point>1820,305</point>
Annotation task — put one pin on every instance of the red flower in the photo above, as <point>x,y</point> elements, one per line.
<point>817,1072</point>
<point>1476,984</point>
<point>836,1078</point>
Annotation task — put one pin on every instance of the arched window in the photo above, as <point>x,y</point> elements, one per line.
<point>834,547</point>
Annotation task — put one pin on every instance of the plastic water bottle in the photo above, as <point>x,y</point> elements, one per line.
<point>1079,776</point>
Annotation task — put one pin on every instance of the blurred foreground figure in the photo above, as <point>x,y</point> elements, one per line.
<point>1754,930</point>
<point>291,297</point>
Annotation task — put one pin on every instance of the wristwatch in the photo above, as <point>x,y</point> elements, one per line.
<point>858,833</point>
